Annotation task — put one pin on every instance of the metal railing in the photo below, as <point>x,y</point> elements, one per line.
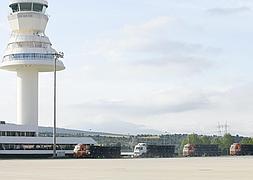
<point>28,56</point>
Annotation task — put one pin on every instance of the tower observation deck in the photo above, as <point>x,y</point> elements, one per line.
<point>29,52</point>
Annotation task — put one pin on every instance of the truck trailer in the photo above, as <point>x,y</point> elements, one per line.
<point>154,151</point>
<point>198,150</point>
<point>237,149</point>
<point>95,151</point>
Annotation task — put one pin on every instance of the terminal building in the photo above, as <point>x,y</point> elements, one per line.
<point>29,52</point>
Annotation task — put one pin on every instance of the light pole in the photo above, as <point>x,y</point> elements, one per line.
<point>56,57</point>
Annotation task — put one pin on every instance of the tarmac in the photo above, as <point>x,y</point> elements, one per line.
<point>218,168</point>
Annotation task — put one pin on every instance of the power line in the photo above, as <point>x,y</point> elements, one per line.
<point>223,128</point>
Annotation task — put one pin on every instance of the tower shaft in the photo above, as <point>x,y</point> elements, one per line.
<point>27,97</point>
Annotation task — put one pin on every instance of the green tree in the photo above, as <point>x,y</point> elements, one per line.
<point>247,140</point>
<point>205,140</point>
<point>216,140</point>
<point>226,142</point>
<point>194,139</point>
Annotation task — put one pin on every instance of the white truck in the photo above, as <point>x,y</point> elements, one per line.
<point>154,151</point>
<point>140,149</point>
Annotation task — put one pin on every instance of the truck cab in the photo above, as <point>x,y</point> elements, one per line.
<point>235,149</point>
<point>81,150</point>
<point>140,149</point>
<point>188,150</point>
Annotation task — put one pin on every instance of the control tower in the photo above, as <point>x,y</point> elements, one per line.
<point>29,52</point>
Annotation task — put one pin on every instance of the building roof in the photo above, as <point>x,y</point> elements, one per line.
<point>46,140</point>
<point>16,128</point>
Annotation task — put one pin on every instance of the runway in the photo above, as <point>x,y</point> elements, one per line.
<point>221,168</point>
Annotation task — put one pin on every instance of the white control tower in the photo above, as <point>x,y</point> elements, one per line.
<point>29,52</point>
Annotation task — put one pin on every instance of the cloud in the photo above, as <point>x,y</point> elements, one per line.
<point>238,99</point>
<point>149,44</point>
<point>229,11</point>
<point>155,105</point>
<point>147,27</point>
<point>190,64</point>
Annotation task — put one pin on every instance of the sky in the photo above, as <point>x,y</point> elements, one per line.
<point>146,66</point>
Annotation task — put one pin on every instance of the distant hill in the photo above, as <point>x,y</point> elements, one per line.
<point>48,131</point>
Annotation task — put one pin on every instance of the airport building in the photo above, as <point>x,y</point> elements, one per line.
<point>28,53</point>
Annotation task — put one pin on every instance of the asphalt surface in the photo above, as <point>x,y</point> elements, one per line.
<point>222,168</point>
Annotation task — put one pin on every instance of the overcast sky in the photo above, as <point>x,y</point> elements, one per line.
<point>146,66</point>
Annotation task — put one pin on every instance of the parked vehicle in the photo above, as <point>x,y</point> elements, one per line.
<point>152,151</point>
<point>198,150</point>
<point>95,151</point>
<point>237,149</point>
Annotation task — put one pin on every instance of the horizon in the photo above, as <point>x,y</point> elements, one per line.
<point>177,67</point>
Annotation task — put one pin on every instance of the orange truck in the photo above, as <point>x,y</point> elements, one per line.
<point>81,151</point>
<point>198,150</point>
<point>95,151</point>
<point>238,149</point>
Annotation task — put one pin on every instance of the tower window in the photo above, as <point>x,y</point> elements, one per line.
<point>25,6</point>
<point>37,7</point>
<point>14,8</point>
